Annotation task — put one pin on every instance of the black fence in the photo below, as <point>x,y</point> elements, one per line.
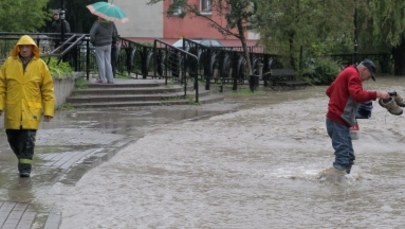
<point>76,48</point>
<point>382,60</point>
<point>218,65</point>
<point>176,64</point>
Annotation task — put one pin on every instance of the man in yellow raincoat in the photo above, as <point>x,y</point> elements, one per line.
<point>26,94</point>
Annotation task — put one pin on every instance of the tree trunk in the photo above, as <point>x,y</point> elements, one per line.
<point>242,39</point>
<point>399,58</point>
<point>292,50</point>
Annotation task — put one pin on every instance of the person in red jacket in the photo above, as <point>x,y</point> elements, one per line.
<point>346,93</point>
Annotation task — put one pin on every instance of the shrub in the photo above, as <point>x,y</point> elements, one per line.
<point>59,70</point>
<point>81,83</point>
<point>321,71</point>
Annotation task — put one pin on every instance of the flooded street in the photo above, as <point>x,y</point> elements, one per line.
<point>254,168</point>
<point>247,162</point>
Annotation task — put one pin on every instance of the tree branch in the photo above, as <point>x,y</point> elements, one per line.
<point>224,31</point>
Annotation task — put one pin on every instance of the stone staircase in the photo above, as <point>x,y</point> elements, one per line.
<point>136,92</point>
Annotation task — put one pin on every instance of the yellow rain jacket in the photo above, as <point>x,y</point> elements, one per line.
<point>25,95</point>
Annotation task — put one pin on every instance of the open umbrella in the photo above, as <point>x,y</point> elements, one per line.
<point>108,11</point>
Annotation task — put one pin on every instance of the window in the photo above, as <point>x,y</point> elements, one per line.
<point>206,6</point>
<point>176,11</point>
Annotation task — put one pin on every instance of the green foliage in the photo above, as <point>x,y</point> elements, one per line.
<point>59,70</point>
<point>5,48</point>
<point>81,83</point>
<point>388,30</point>
<point>122,75</point>
<point>244,92</point>
<point>309,29</point>
<point>22,15</point>
<point>388,21</point>
<point>238,11</point>
<point>320,71</point>
<point>301,29</point>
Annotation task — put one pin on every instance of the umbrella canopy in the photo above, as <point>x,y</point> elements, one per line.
<point>108,11</point>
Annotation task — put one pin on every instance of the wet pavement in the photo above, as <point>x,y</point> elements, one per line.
<point>246,162</point>
<point>74,142</point>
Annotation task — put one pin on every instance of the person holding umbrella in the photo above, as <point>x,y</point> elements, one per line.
<point>103,34</point>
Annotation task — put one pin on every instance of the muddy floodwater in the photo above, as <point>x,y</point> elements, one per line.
<point>256,167</point>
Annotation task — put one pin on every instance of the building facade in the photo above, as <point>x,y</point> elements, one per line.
<point>148,22</point>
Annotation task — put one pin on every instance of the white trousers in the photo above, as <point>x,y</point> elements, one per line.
<point>103,58</point>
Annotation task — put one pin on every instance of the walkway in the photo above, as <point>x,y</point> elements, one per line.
<point>71,144</point>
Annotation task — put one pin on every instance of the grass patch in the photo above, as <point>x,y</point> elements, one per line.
<point>65,107</point>
<point>122,75</point>
<point>81,83</point>
<point>191,100</point>
<point>244,92</point>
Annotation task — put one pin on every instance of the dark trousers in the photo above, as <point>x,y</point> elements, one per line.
<point>22,142</point>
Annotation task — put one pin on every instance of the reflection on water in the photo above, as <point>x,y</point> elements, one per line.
<point>256,168</point>
<point>21,190</point>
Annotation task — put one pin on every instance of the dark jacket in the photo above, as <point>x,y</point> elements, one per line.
<point>103,33</point>
<point>56,26</point>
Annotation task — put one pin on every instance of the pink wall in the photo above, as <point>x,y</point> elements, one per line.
<point>191,27</point>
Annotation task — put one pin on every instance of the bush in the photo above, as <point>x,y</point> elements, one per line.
<point>320,71</point>
<point>59,70</point>
<point>81,83</point>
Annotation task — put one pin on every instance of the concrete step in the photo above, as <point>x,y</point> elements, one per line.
<point>136,93</point>
<point>127,90</point>
<point>132,83</point>
<point>130,104</point>
<point>122,97</point>
<point>179,101</point>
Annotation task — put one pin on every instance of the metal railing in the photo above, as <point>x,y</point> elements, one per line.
<point>381,59</point>
<point>219,65</point>
<point>70,50</point>
<point>181,63</point>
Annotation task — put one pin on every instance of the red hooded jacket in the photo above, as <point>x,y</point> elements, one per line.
<point>345,94</point>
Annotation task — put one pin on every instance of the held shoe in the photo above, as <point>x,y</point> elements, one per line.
<point>391,106</point>
<point>397,98</point>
